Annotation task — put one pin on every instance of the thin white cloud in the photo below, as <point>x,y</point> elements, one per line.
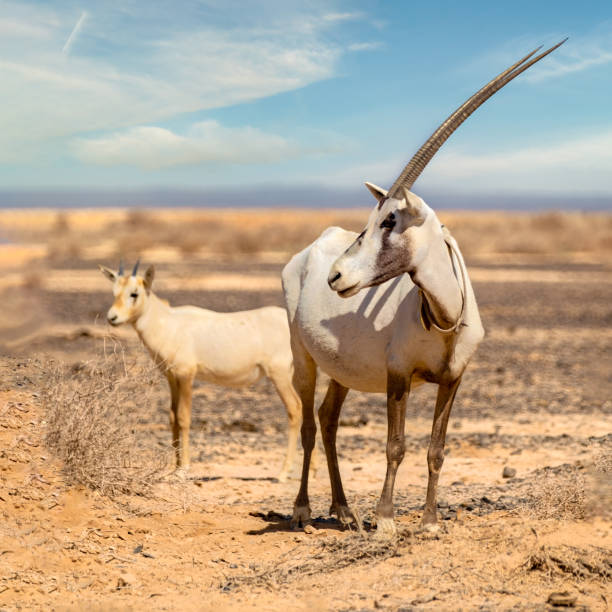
<point>365,46</point>
<point>577,54</point>
<point>151,147</point>
<point>580,165</point>
<point>576,165</point>
<point>11,27</point>
<point>347,16</point>
<point>583,59</point>
<point>75,32</point>
<point>47,98</point>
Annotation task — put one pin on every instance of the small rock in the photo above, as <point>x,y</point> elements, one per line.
<point>563,599</point>
<point>509,472</point>
<point>309,529</point>
<point>125,581</point>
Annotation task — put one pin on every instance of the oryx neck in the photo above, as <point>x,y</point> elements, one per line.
<point>152,311</point>
<point>439,277</point>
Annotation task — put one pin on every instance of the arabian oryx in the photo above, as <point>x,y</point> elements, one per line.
<point>233,349</point>
<point>418,321</point>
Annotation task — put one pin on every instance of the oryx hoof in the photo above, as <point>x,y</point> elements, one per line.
<point>429,522</point>
<point>346,517</point>
<point>386,528</point>
<point>181,472</point>
<point>283,476</point>
<point>301,517</point>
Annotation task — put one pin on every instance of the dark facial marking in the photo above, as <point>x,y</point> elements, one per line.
<point>382,201</point>
<point>389,221</point>
<point>384,260</point>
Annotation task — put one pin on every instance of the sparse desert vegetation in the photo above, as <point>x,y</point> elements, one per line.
<point>92,515</point>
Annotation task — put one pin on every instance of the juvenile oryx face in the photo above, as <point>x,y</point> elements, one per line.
<point>130,292</point>
<point>395,240</point>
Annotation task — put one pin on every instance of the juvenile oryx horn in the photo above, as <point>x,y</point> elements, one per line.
<point>135,270</point>
<point>423,156</point>
<point>120,271</point>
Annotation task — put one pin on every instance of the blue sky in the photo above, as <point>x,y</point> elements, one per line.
<point>275,97</point>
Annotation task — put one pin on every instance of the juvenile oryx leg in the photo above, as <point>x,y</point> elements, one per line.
<point>398,389</point>
<point>328,418</point>
<point>284,387</point>
<point>174,425</point>
<point>435,454</point>
<point>185,384</point>
<point>304,380</point>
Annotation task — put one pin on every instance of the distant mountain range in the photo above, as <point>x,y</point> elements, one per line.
<point>286,197</point>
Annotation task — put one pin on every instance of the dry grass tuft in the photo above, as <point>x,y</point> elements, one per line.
<point>92,411</point>
<point>560,497</point>
<point>593,563</point>
<point>570,492</point>
<point>325,555</point>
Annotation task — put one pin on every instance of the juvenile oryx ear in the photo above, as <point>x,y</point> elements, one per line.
<point>112,276</point>
<point>411,203</point>
<point>378,192</point>
<point>148,278</point>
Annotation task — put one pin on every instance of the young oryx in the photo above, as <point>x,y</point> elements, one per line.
<point>233,349</point>
<point>418,321</point>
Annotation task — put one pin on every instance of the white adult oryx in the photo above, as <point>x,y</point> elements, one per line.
<point>233,349</point>
<point>407,329</point>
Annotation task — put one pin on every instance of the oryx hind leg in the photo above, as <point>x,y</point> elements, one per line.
<point>183,417</point>
<point>304,381</point>
<point>329,412</point>
<point>282,380</point>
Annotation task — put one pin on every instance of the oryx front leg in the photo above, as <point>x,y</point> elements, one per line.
<point>174,425</point>
<point>435,454</point>
<point>183,418</point>
<point>398,388</point>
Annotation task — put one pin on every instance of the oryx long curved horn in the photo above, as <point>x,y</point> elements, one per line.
<point>135,270</point>
<point>423,156</point>
<point>120,271</point>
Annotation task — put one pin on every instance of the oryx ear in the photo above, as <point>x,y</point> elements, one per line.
<point>148,278</point>
<point>411,203</point>
<point>112,276</point>
<point>378,192</point>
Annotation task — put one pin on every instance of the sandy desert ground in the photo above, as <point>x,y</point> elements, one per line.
<point>537,399</point>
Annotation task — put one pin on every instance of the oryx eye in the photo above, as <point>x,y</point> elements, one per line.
<point>389,222</point>
<point>134,295</point>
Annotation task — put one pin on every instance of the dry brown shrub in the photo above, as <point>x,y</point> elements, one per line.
<point>324,555</point>
<point>92,410</point>
<point>575,493</point>
<point>560,498</point>
<point>595,562</point>
<point>548,233</point>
